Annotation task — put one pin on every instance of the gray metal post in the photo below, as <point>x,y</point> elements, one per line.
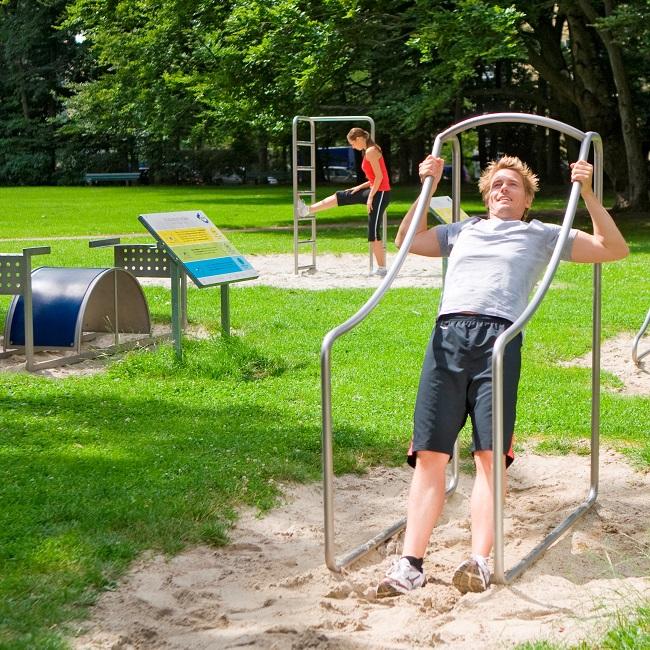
<point>28,314</point>
<point>225,309</point>
<point>500,575</point>
<point>636,357</point>
<point>116,334</point>
<point>177,330</point>
<point>183,299</point>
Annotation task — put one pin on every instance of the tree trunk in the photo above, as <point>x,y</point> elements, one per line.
<point>263,153</point>
<point>404,160</point>
<point>636,168</point>
<point>584,86</point>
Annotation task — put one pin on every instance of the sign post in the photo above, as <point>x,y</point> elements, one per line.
<point>199,249</point>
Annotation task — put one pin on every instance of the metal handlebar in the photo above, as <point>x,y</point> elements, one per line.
<point>420,211</point>
<point>636,357</point>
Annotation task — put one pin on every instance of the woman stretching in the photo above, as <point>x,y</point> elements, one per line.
<point>374,193</point>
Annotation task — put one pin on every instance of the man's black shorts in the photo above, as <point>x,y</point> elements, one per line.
<point>380,203</point>
<point>456,381</point>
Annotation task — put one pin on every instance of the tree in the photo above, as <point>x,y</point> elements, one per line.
<point>636,162</point>
<point>35,61</point>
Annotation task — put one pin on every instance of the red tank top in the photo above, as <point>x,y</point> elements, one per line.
<point>370,174</point>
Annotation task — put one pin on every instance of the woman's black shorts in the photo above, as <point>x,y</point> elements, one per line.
<point>380,202</point>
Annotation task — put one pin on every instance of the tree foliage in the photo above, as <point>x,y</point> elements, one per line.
<point>36,61</point>
<point>154,78</point>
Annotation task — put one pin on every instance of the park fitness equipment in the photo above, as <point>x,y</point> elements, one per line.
<point>500,576</point>
<point>15,280</point>
<point>636,357</point>
<point>153,261</point>
<point>57,308</point>
<point>310,220</point>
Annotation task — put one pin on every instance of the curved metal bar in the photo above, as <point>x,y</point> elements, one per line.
<point>636,357</point>
<point>419,213</point>
<point>521,118</point>
<point>498,351</point>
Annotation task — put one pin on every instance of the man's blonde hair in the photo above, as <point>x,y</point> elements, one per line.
<point>530,180</point>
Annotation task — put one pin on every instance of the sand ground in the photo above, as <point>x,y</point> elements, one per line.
<point>269,588</point>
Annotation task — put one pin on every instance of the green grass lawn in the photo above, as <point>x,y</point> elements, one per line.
<point>158,454</point>
<point>36,212</point>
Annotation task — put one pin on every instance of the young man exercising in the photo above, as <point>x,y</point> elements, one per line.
<point>492,268</point>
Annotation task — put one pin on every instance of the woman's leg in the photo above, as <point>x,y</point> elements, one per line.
<point>379,253</point>
<point>379,204</point>
<point>330,202</point>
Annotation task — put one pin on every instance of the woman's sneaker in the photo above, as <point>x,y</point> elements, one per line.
<point>303,208</point>
<point>401,578</point>
<point>472,575</point>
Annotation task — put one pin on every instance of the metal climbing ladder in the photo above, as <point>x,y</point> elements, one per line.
<point>299,238</point>
<point>304,228</point>
<point>501,576</point>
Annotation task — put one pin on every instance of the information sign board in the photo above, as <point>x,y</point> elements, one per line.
<point>442,208</point>
<point>199,247</point>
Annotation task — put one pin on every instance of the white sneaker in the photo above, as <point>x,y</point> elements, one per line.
<point>472,575</point>
<point>302,208</point>
<point>380,271</point>
<point>401,578</point>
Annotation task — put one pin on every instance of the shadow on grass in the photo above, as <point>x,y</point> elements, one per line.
<point>95,470</point>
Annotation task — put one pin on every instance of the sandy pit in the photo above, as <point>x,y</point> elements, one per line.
<point>269,588</point>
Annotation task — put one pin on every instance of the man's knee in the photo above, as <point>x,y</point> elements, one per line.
<point>431,460</point>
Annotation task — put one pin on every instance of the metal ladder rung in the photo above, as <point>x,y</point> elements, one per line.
<point>304,143</point>
<point>305,168</point>
<point>311,217</point>
<point>306,241</point>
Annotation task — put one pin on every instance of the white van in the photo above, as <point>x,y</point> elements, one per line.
<point>339,174</point>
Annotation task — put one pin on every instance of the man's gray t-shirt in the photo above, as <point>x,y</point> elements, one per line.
<point>494,264</point>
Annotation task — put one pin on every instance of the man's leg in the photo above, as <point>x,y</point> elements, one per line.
<point>473,574</point>
<point>425,501</point>
<point>482,504</point>
<point>440,413</point>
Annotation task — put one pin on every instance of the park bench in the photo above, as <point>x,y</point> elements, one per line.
<point>111,177</point>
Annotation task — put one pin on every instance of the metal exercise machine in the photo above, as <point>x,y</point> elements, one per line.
<point>300,240</point>
<point>16,280</point>
<point>153,261</point>
<point>58,308</point>
<point>501,576</point>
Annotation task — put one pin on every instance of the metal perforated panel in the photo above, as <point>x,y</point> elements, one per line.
<point>143,260</point>
<point>11,274</point>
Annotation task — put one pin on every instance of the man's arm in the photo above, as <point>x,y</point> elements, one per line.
<point>425,242</point>
<point>606,244</point>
